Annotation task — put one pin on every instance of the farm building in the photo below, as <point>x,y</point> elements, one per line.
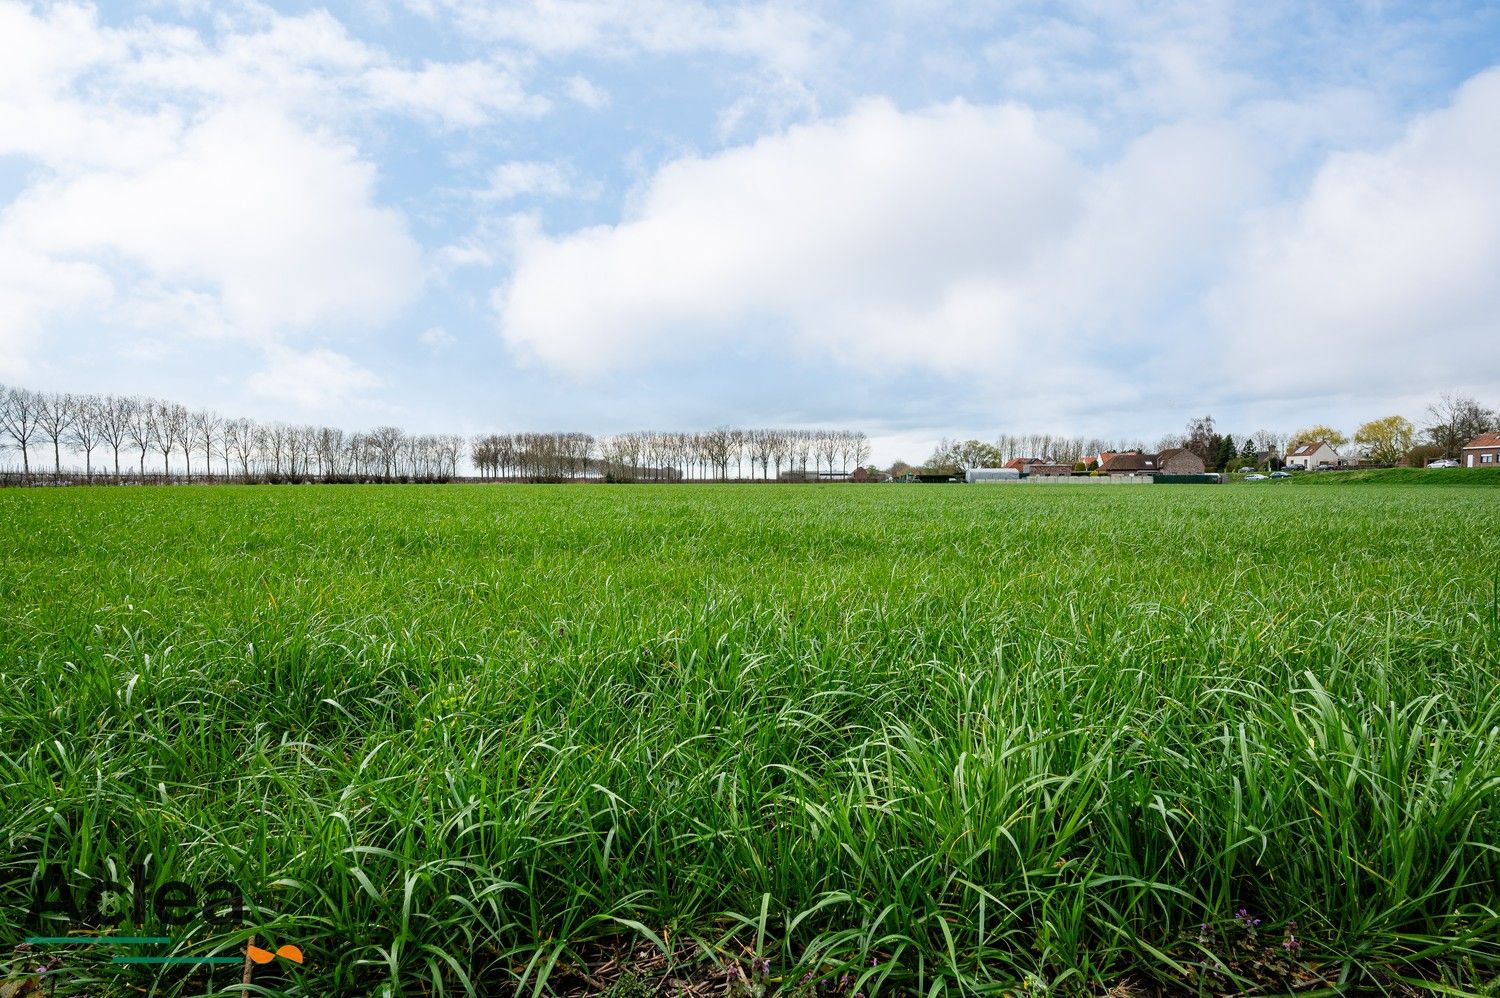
<point>1482,452</point>
<point>974,475</point>
<point>1044,469</point>
<point>1317,454</point>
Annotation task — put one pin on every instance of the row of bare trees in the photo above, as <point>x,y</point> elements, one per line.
<point>118,436</point>
<point>720,454</point>
<point>128,433</point>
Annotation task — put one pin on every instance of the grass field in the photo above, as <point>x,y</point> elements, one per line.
<point>906,740</point>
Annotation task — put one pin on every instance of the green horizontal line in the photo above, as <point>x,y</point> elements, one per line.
<point>178,959</point>
<point>96,940</point>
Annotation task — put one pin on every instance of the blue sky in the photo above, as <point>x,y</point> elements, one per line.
<point>917,219</point>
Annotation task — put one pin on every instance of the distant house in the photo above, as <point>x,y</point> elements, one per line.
<point>1318,454</point>
<point>1021,463</point>
<point>1128,464</point>
<point>1045,469</point>
<point>1179,461</point>
<point>1482,451</point>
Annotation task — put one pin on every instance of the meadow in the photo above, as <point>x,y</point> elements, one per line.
<point>772,739</point>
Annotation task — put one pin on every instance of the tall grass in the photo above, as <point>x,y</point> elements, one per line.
<point>465,740</point>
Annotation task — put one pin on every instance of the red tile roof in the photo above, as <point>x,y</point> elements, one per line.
<point>1483,440</point>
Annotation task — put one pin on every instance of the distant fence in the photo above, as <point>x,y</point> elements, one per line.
<point>1071,480</point>
<point>1208,479</point>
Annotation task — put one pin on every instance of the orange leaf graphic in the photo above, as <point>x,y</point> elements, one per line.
<point>291,952</point>
<point>261,955</point>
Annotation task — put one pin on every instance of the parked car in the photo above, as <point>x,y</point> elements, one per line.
<point>1245,471</point>
<point>1255,478</point>
<point>1281,474</point>
<point>1443,462</point>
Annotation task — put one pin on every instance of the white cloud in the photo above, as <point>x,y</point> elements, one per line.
<point>178,183</point>
<point>779,36</point>
<point>956,238</point>
<point>313,379</point>
<point>36,290</point>
<point>278,222</point>
<point>1385,272</point>
<point>310,63</point>
<point>436,339</point>
<point>520,178</point>
<point>584,92</point>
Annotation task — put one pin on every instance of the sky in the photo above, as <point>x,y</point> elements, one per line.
<point>918,219</point>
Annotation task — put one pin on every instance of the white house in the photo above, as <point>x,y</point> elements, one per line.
<point>1315,454</point>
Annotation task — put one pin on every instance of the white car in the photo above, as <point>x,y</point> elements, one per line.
<point>1255,478</point>
<point>1444,462</point>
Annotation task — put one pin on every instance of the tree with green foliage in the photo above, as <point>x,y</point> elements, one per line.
<point>1224,459</point>
<point>1386,440</point>
<point>961,455</point>
<point>1317,432</point>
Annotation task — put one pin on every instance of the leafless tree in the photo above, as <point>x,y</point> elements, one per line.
<point>387,441</point>
<point>1454,420</point>
<point>56,414</point>
<point>207,426</point>
<point>239,439</point>
<point>115,413</point>
<point>87,432</point>
<point>142,427</point>
<point>167,424</point>
<point>19,418</point>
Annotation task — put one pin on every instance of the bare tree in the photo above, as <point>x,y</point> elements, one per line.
<point>167,424</point>
<point>142,427</point>
<point>19,419</point>
<point>1454,420</point>
<point>114,416</point>
<point>206,429</point>
<point>239,439</point>
<point>387,441</point>
<point>56,414</point>
<point>87,432</point>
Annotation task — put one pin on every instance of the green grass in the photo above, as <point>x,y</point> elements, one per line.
<point>946,740</point>
<point>1460,477</point>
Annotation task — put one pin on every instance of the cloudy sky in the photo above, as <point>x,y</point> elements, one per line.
<point>915,218</point>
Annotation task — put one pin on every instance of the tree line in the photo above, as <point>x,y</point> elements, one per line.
<point>119,436</point>
<point>721,454</point>
<point>127,432</point>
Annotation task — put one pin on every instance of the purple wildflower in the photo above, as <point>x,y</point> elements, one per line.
<point>761,966</point>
